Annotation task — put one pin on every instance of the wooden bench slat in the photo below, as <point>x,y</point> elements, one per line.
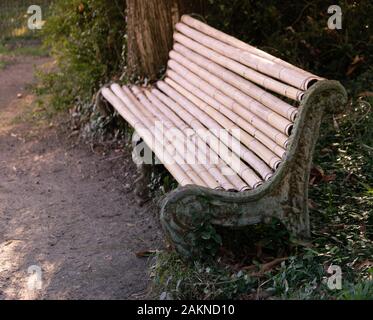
<point>244,71</point>
<point>193,174</point>
<point>193,151</point>
<point>244,171</point>
<point>242,137</point>
<point>200,144</point>
<point>283,73</point>
<point>237,119</point>
<point>277,136</point>
<point>272,102</point>
<point>209,173</point>
<point>257,164</point>
<point>246,101</point>
<point>197,172</point>
<point>175,169</point>
<point>208,30</point>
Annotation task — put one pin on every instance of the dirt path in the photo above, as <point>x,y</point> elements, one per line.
<point>64,209</point>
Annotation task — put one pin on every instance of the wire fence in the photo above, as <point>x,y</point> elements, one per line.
<point>14,17</point>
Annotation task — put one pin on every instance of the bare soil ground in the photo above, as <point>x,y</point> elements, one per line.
<point>66,208</point>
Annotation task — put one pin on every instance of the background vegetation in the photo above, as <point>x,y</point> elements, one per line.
<point>15,37</point>
<point>13,18</point>
<point>88,40</point>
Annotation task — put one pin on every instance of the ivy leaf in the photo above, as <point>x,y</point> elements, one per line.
<point>206,236</point>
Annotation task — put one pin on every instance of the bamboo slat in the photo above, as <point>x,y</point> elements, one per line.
<point>249,103</point>
<point>234,117</point>
<point>163,109</point>
<point>250,142</point>
<point>246,72</point>
<point>214,127</point>
<point>226,101</point>
<point>164,145</point>
<point>197,155</point>
<point>196,171</point>
<point>269,100</point>
<point>244,171</point>
<point>177,172</point>
<point>208,30</point>
<point>278,71</point>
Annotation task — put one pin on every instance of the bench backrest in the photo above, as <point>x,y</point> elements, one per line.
<point>238,80</point>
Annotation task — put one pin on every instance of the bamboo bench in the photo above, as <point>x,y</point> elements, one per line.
<point>269,112</point>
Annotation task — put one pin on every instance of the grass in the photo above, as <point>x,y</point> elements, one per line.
<point>272,265</point>
<point>3,64</point>
<point>17,47</point>
<point>15,38</point>
<point>40,112</point>
<point>14,17</point>
<point>23,49</point>
<point>34,50</point>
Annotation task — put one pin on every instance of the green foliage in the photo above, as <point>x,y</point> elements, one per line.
<point>175,279</point>
<point>14,17</point>
<point>206,238</point>
<point>22,49</point>
<point>87,40</point>
<point>297,32</point>
<point>360,291</point>
<point>2,64</point>
<point>342,227</point>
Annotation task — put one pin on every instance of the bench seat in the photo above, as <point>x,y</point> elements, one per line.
<point>235,126</point>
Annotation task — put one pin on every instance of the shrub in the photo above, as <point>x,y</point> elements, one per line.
<point>297,32</point>
<point>87,40</point>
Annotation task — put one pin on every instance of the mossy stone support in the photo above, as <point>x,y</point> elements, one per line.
<point>144,169</point>
<point>285,197</point>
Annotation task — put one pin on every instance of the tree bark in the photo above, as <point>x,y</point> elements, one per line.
<point>150,25</point>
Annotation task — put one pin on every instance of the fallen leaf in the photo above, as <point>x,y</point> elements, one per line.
<point>146,253</point>
<point>330,177</point>
<point>312,204</point>
<point>354,64</point>
<point>357,59</point>
<point>339,226</point>
<point>81,8</point>
<point>265,267</point>
<point>326,150</point>
<point>270,265</point>
<point>316,175</point>
<point>365,264</point>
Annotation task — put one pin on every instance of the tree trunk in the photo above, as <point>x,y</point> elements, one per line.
<point>150,24</point>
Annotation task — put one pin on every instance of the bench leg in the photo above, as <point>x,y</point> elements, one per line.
<point>142,156</point>
<point>189,216</point>
<point>102,106</point>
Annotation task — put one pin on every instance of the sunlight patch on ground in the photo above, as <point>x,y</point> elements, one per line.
<point>27,282</point>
